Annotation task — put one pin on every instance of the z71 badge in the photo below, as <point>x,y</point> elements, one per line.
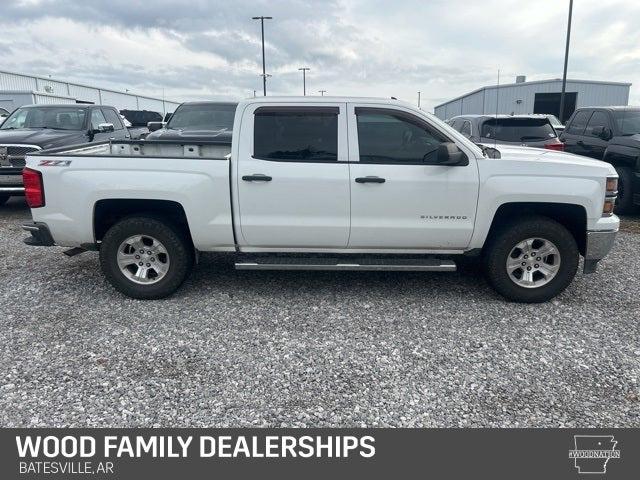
<point>54,163</point>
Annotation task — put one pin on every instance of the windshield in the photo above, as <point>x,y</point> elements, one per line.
<point>518,129</point>
<point>203,117</point>
<point>628,121</point>
<point>57,118</point>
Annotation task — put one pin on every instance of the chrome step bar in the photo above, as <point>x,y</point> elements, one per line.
<point>370,265</point>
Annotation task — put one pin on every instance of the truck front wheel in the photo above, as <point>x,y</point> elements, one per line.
<point>145,258</point>
<point>531,260</point>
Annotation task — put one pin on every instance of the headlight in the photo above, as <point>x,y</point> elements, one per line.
<point>610,195</point>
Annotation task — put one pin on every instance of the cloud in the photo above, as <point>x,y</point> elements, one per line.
<point>204,49</point>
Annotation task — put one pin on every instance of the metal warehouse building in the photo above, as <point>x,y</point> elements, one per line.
<point>17,89</point>
<point>542,96</point>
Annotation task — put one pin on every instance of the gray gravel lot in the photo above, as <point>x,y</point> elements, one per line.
<point>312,349</point>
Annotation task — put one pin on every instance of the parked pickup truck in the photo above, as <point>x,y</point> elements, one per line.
<point>36,127</point>
<point>326,184</point>
<point>611,134</point>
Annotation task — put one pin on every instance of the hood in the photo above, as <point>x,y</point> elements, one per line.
<point>626,140</point>
<point>551,158</point>
<point>42,137</point>
<point>223,135</point>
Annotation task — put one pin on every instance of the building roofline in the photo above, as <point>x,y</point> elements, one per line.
<point>533,82</point>
<point>84,85</point>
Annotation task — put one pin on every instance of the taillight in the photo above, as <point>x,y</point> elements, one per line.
<point>33,188</point>
<point>557,145</point>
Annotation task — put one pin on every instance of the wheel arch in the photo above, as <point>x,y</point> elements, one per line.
<point>108,212</point>
<point>571,216</point>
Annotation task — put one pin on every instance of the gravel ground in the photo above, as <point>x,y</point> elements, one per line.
<point>312,349</point>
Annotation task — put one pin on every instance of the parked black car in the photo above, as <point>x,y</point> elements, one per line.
<point>611,134</point>
<point>196,121</point>
<point>40,127</point>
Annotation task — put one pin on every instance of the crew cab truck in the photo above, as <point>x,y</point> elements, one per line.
<point>611,134</point>
<point>326,184</point>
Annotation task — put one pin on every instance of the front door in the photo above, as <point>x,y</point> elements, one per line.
<point>293,177</point>
<point>594,145</point>
<point>398,199</point>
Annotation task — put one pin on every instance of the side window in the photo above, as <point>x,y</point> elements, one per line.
<point>579,122</point>
<point>97,118</point>
<point>296,134</point>
<point>466,129</point>
<point>598,119</point>
<point>113,118</point>
<point>387,136</point>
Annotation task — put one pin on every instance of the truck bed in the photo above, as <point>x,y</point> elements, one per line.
<point>194,177</point>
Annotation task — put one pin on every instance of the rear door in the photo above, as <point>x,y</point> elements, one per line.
<point>398,200</point>
<point>573,135</point>
<point>293,176</point>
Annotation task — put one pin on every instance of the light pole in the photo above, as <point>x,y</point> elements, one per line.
<point>264,73</point>
<point>304,79</point>
<point>322,92</point>
<point>418,99</point>
<point>566,61</point>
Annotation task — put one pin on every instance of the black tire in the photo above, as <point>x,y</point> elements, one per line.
<point>4,199</point>
<point>506,238</point>
<point>177,244</point>
<point>624,202</point>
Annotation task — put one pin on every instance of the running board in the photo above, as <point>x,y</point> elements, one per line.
<point>371,265</point>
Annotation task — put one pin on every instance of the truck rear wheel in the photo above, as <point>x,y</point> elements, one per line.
<point>145,258</point>
<point>624,202</point>
<point>531,260</point>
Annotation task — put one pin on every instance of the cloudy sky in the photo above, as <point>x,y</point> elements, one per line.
<point>203,49</point>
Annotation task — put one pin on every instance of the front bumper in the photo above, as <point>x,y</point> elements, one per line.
<point>40,234</point>
<point>599,244</point>
<point>11,181</point>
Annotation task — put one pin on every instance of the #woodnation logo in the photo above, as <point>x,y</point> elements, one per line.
<point>592,452</point>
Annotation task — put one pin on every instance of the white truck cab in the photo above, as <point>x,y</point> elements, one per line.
<point>349,183</point>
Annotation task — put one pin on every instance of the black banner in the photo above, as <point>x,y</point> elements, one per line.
<point>320,453</point>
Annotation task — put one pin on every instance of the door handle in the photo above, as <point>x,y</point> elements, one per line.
<point>370,180</point>
<point>580,142</point>
<point>257,177</point>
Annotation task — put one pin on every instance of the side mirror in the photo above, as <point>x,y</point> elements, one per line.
<point>153,126</point>
<point>105,127</point>
<point>601,132</point>
<point>448,153</point>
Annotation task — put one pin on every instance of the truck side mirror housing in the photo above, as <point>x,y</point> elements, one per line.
<point>105,127</point>
<point>448,153</point>
<point>153,126</point>
<point>601,132</point>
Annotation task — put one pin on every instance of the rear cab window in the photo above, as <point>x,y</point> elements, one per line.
<point>296,134</point>
<point>517,129</point>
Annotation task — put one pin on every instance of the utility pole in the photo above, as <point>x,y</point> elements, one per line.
<point>418,99</point>
<point>322,92</point>
<point>566,61</point>
<point>264,73</point>
<point>304,79</point>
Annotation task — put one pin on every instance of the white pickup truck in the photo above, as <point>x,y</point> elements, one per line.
<point>326,184</point>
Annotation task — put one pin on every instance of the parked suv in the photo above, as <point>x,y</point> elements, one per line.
<point>40,127</point>
<point>524,130</point>
<point>611,134</point>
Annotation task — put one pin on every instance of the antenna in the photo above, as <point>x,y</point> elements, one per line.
<point>495,125</point>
